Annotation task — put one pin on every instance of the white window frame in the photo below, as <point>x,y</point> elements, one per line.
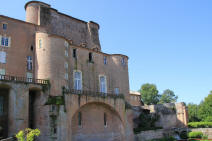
<point>66,76</point>
<point>101,90</point>
<point>116,91</point>
<point>66,53</point>
<point>3,59</point>
<point>4,41</point>
<point>29,63</point>
<point>29,76</point>
<point>66,44</point>
<point>66,65</point>
<point>76,86</point>
<point>40,43</point>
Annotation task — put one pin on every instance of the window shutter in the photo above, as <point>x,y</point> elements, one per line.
<point>9,41</point>
<point>2,57</point>
<point>0,39</point>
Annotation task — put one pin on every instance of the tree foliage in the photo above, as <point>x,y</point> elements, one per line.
<point>205,108</point>
<point>201,112</point>
<point>193,112</point>
<point>149,94</point>
<point>168,96</point>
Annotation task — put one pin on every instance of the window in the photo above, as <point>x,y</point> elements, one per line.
<point>1,105</point>
<point>105,119</point>
<point>5,41</point>
<point>116,91</point>
<point>66,65</point>
<point>66,53</point>
<point>2,73</point>
<point>77,80</point>
<point>4,26</point>
<point>75,53</point>
<point>2,57</point>
<point>90,57</point>
<point>123,61</point>
<point>105,60</point>
<point>66,44</point>
<point>40,43</point>
<point>29,77</point>
<point>53,124</point>
<point>29,62</point>
<point>66,76</point>
<point>103,84</point>
<point>31,48</point>
<point>79,119</point>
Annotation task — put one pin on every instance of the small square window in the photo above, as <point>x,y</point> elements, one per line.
<point>4,26</point>
<point>75,53</point>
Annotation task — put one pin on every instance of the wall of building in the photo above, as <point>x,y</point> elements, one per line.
<point>18,108</point>
<point>22,37</point>
<point>63,25</point>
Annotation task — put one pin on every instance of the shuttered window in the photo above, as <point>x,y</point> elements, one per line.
<point>2,57</point>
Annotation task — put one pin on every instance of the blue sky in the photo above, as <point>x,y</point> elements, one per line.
<point>169,42</point>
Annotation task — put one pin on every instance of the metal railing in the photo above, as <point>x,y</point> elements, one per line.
<point>23,79</point>
<point>93,93</point>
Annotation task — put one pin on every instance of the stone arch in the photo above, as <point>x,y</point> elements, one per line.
<point>93,128</point>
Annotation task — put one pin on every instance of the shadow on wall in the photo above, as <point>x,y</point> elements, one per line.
<point>96,121</point>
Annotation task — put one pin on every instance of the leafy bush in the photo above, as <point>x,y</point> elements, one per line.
<point>200,124</point>
<point>196,134</point>
<point>27,134</point>
<point>183,135</point>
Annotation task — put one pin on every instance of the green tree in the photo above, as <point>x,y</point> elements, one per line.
<point>149,94</point>
<point>168,96</point>
<point>193,112</point>
<point>205,108</point>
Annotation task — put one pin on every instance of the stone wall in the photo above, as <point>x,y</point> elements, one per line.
<point>149,135</point>
<point>170,114</point>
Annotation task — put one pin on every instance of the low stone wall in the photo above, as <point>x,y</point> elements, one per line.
<point>149,135</point>
<point>8,139</point>
<point>205,131</point>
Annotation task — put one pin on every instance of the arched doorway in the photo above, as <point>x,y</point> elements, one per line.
<point>4,103</point>
<point>95,122</point>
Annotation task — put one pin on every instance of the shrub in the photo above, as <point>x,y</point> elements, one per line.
<point>200,124</point>
<point>197,135</point>
<point>183,135</point>
<point>27,134</point>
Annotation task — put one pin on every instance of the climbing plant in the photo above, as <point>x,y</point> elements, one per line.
<point>27,134</point>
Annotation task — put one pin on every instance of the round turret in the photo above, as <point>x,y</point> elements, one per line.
<point>33,11</point>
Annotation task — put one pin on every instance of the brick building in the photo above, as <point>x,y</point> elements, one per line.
<point>54,76</point>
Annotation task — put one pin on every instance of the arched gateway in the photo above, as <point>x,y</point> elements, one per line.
<point>96,121</point>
